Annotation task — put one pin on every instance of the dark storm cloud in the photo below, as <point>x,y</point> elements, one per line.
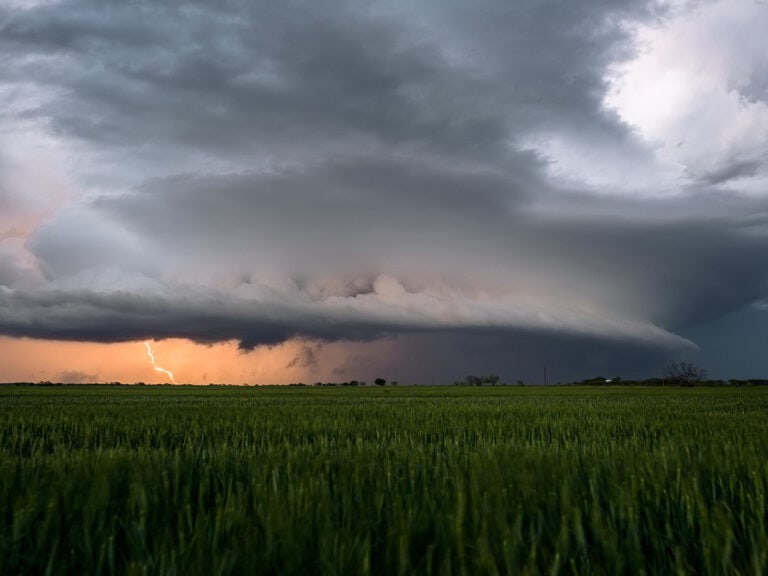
<point>338,171</point>
<point>358,214</point>
<point>248,76</point>
<point>295,78</point>
<point>364,249</point>
<point>359,219</point>
<point>263,315</point>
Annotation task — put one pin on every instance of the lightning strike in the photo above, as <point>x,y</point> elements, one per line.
<point>154,364</point>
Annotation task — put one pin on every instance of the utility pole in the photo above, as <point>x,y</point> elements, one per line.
<point>545,374</point>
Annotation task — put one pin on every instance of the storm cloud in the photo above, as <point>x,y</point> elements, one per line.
<point>480,183</point>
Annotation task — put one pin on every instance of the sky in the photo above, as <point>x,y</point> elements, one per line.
<point>294,191</point>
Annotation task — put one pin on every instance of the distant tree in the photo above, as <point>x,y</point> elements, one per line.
<point>491,379</point>
<point>472,380</point>
<point>393,382</point>
<point>379,381</point>
<point>683,374</point>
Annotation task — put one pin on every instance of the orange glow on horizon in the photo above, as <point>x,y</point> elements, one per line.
<point>26,360</point>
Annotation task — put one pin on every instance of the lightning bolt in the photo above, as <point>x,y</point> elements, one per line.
<point>154,364</point>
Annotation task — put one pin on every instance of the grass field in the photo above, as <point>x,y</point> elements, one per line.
<point>220,480</point>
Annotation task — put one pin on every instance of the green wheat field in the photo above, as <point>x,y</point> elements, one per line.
<point>420,480</point>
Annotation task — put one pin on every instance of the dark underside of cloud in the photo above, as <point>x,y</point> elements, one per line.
<point>334,172</point>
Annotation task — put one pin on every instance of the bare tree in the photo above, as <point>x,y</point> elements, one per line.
<point>683,373</point>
